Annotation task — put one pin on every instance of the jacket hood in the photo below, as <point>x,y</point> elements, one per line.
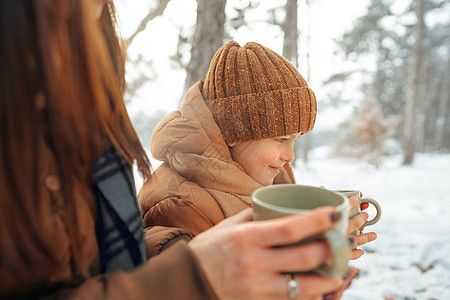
<point>191,143</point>
<point>191,129</point>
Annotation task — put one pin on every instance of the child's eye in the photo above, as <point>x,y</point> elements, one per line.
<point>280,140</point>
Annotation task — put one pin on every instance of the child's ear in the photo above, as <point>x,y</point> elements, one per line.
<point>231,144</point>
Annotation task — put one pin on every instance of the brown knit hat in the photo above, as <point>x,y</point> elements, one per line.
<point>254,93</point>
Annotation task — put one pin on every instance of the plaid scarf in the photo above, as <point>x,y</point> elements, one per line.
<point>119,226</point>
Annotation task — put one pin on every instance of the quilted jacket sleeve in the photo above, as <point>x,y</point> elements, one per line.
<point>160,238</point>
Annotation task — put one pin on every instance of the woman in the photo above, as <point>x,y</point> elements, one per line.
<point>69,222</point>
<point>61,109</point>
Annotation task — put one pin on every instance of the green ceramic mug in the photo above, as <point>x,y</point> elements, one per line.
<point>357,209</point>
<point>280,200</point>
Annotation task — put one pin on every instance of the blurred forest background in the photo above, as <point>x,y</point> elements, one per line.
<point>396,59</point>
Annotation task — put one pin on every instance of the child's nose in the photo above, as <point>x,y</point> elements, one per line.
<point>288,154</point>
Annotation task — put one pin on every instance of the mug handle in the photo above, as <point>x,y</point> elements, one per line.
<point>378,215</point>
<point>340,250</point>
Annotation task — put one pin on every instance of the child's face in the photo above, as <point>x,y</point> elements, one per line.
<point>263,159</point>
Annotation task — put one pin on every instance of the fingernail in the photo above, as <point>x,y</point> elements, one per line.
<point>347,276</point>
<point>328,296</point>
<point>351,240</point>
<point>335,216</point>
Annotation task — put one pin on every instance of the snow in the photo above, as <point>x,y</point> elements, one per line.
<point>411,257</point>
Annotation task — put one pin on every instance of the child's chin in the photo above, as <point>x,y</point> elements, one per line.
<point>268,182</point>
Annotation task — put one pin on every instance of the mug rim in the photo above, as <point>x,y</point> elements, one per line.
<point>349,191</point>
<point>289,210</point>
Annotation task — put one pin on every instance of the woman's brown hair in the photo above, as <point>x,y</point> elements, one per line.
<point>61,82</point>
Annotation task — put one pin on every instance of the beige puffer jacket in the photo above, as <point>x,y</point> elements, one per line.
<point>198,184</point>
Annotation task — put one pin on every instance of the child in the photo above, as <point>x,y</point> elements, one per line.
<point>233,134</point>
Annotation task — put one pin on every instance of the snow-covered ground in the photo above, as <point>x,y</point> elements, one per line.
<point>411,257</point>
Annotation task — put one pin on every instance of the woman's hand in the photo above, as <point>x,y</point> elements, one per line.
<point>353,273</point>
<point>355,223</point>
<point>240,261</point>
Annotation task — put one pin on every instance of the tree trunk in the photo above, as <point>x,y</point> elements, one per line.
<point>444,98</point>
<point>307,138</point>
<point>414,88</point>
<point>290,43</point>
<point>290,48</point>
<point>306,145</point>
<point>423,105</point>
<point>208,37</point>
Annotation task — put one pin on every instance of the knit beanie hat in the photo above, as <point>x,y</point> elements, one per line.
<point>254,93</point>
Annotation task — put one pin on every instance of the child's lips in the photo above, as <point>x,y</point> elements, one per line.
<point>275,169</point>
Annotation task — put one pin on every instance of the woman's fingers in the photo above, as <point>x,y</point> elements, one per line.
<point>356,222</point>
<point>353,201</point>
<point>291,229</point>
<point>243,216</point>
<point>309,286</point>
<point>356,253</point>
<point>276,287</point>
<point>361,240</point>
<point>255,263</point>
<point>365,238</point>
<point>353,273</point>
<point>295,258</point>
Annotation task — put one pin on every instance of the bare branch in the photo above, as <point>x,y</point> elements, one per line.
<point>158,11</point>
